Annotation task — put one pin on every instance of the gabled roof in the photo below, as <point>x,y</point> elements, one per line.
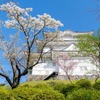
<point>71,47</point>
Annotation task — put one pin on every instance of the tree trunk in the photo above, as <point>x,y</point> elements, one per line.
<point>69,78</point>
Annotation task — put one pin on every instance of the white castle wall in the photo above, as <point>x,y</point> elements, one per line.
<point>44,68</point>
<point>82,68</point>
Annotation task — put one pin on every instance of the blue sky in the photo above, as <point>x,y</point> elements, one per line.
<point>74,14</point>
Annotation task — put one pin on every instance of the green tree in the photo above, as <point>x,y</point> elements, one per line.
<point>89,45</point>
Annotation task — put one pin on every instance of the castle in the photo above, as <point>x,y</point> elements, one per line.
<point>64,44</point>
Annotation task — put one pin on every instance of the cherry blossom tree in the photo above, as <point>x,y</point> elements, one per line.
<point>19,50</point>
<point>67,64</point>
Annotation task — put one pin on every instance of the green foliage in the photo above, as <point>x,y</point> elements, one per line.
<point>26,86</point>
<point>52,83</point>
<point>88,43</point>
<point>83,83</point>
<point>63,88</point>
<point>42,92</point>
<point>43,86</point>
<point>23,93</point>
<point>59,86</point>
<point>84,94</point>
<point>53,90</point>
<point>48,95</point>
<point>69,88</point>
<point>96,85</point>
<point>4,94</point>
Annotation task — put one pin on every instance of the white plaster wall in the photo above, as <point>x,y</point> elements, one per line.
<point>67,38</point>
<point>59,48</point>
<point>44,68</point>
<point>72,47</point>
<point>82,68</point>
<point>46,49</point>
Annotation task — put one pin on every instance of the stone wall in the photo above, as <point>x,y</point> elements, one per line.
<point>58,77</point>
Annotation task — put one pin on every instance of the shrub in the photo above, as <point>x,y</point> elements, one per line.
<point>69,88</point>
<point>48,95</point>
<point>52,83</point>
<point>96,85</point>
<point>28,93</point>
<point>59,86</point>
<point>42,86</point>
<point>64,88</point>
<point>84,94</point>
<point>23,93</point>
<point>26,86</point>
<point>83,83</point>
<point>4,94</point>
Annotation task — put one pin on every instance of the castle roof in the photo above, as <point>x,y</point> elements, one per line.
<point>67,33</point>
